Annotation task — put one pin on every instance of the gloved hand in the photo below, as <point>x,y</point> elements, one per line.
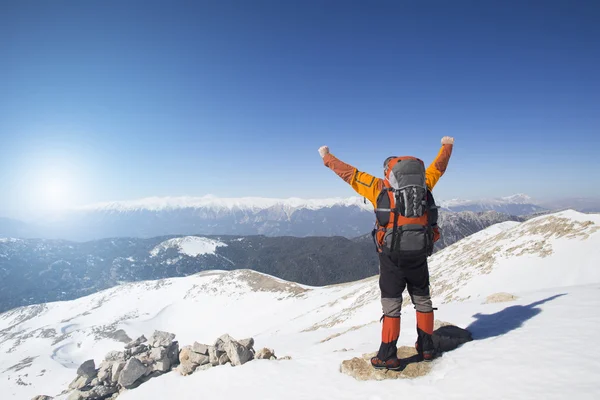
<point>447,140</point>
<point>323,150</point>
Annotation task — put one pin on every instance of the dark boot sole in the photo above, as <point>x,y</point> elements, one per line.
<point>398,368</point>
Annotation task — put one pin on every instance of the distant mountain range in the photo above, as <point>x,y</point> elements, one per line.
<point>42,270</point>
<point>152,217</point>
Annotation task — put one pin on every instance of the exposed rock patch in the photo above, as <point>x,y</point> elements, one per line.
<point>500,298</point>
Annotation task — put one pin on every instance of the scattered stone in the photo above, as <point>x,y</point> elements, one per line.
<point>247,343</point>
<point>136,342</point>
<point>238,354</point>
<point>204,367</point>
<point>75,395</point>
<point>116,369</point>
<point>88,368</point>
<point>115,356</point>
<point>265,354</point>
<point>200,348</point>
<point>222,341</point>
<point>285,358</point>
<point>214,355</point>
<point>173,353</point>
<point>104,372</point>
<point>99,392</point>
<point>159,338</point>
<point>138,350</point>
<point>186,368</point>
<point>500,298</point>
<point>224,359</point>
<point>80,382</point>
<point>42,397</point>
<point>132,371</point>
<point>160,358</point>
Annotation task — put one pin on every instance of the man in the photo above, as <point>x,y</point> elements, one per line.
<point>400,203</point>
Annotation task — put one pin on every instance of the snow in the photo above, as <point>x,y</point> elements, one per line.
<point>525,349</point>
<point>216,203</point>
<point>192,246</point>
<point>519,198</point>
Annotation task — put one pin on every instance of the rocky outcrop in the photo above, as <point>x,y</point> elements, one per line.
<point>225,350</point>
<point>143,359</point>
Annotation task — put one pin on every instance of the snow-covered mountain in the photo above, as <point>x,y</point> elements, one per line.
<point>523,349</point>
<point>518,204</point>
<point>37,270</point>
<point>214,216</point>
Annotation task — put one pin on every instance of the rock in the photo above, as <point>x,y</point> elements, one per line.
<point>88,368</point>
<point>360,367</point>
<point>80,382</point>
<point>265,354</point>
<point>94,382</point>
<point>136,342</point>
<point>236,353</point>
<point>76,395</point>
<point>173,353</point>
<point>247,343</point>
<point>222,341</point>
<point>159,338</point>
<point>115,356</point>
<point>187,354</point>
<point>224,359</point>
<point>99,392</point>
<point>186,368</point>
<point>159,355</point>
<point>104,372</point>
<point>132,371</point>
<point>500,298</point>
<point>200,348</point>
<point>42,397</point>
<point>285,358</point>
<point>138,350</point>
<point>116,369</point>
<point>214,355</point>
<point>273,358</point>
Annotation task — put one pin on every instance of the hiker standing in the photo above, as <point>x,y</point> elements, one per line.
<point>405,231</point>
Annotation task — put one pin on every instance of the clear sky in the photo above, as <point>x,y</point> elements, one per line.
<point>116,100</point>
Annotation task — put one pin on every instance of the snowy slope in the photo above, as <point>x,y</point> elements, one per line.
<point>517,356</point>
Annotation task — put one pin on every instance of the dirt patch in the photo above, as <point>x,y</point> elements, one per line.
<point>500,298</point>
<point>360,367</point>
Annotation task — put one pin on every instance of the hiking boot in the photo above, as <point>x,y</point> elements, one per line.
<point>424,344</point>
<point>391,364</point>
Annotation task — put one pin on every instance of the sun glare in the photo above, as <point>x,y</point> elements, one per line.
<point>55,193</point>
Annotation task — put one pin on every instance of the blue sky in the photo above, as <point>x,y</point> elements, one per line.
<point>114,100</point>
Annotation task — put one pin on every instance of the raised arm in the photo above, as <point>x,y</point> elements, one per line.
<point>437,168</point>
<point>364,184</point>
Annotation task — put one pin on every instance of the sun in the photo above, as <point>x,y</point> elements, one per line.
<point>55,193</point>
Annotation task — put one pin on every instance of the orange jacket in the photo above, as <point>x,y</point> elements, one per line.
<point>369,186</point>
